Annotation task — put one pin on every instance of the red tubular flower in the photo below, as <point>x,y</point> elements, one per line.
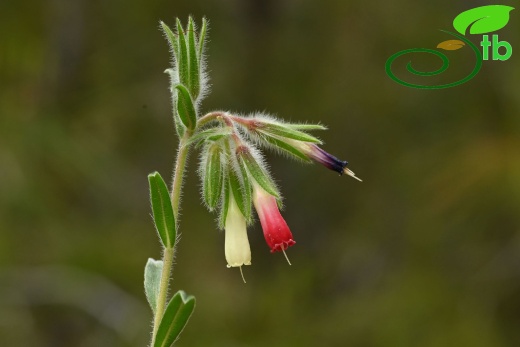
<point>276,232</point>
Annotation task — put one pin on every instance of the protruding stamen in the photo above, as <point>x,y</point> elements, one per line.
<point>286,257</point>
<point>351,174</point>
<point>241,273</point>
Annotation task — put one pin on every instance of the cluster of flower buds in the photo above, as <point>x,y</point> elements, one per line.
<point>232,169</point>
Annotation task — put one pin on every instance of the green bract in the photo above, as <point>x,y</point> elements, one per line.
<point>213,176</point>
<point>185,108</point>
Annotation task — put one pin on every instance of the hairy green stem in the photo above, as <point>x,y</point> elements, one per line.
<point>169,253</point>
<point>163,289</point>
<point>178,174</point>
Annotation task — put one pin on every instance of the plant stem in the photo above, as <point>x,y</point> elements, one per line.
<point>178,175</point>
<point>169,253</point>
<point>163,289</point>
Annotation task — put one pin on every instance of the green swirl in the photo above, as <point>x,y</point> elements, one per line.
<point>445,64</point>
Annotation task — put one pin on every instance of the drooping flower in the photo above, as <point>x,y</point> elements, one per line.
<point>237,248</point>
<point>276,232</point>
<point>314,152</point>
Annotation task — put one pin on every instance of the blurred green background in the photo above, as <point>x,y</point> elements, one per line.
<point>425,252</point>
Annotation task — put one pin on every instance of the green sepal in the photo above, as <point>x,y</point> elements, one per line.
<point>240,192</point>
<point>175,318</point>
<point>224,207</point>
<point>162,210</point>
<point>152,281</point>
<point>212,184</point>
<point>258,173</point>
<point>247,190</point>
<point>185,107</point>
<point>182,57</point>
<point>194,83</point>
<point>202,38</point>
<point>297,126</point>
<point>287,148</point>
<point>286,132</point>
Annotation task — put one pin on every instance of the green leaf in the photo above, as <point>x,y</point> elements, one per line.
<point>176,316</point>
<point>152,281</point>
<point>240,194</point>
<point>287,148</point>
<point>287,132</point>
<point>482,20</point>
<point>202,38</point>
<point>258,173</point>
<point>162,210</point>
<point>194,84</point>
<point>182,58</point>
<point>212,182</point>
<point>185,107</point>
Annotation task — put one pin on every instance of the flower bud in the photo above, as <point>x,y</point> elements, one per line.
<point>317,154</point>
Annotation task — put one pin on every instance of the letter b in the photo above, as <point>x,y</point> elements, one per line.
<point>496,46</point>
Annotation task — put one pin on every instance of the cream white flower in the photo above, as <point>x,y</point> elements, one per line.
<point>237,248</point>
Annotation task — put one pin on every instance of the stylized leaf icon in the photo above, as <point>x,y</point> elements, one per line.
<point>482,20</point>
<point>451,45</point>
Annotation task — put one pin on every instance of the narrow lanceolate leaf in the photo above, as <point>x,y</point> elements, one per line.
<point>182,58</point>
<point>212,185</point>
<point>258,173</point>
<point>194,84</point>
<point>162,210</point>
<point>287,148</point>
<point>152,281</point>
<point>287,132</point>
<point>239,191</point>
<point>185,107</point>
<point>172,38</point>
<point>202,38</point>
<point>175,318</point>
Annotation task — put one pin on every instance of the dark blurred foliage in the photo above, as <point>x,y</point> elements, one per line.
<point>425,252</point>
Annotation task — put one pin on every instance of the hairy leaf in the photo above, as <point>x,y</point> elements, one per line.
<point>152,281</point>
<point>182,58</point>
<point>176,316</point>
<point>185,107</point>
<point>194,72</point>
<point>162,210</point>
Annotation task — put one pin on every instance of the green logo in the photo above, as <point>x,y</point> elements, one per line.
<point>479,20</point>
